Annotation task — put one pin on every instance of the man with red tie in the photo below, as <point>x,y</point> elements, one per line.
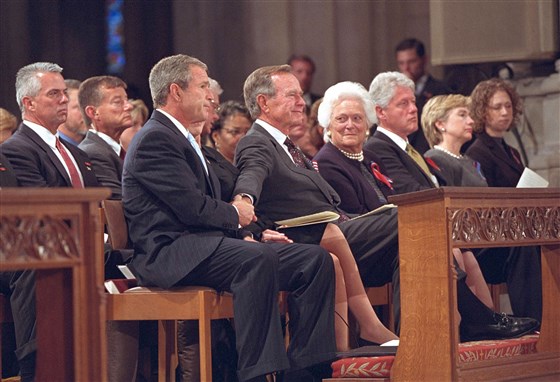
<point>39,159</point>
<point>106,111</point>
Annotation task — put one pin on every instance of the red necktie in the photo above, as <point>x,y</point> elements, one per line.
<point>73,171</point>
<point>122,153</point>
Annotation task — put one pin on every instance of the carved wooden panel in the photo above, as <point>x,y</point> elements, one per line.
<point>475,225</point>
<point>31,238</point>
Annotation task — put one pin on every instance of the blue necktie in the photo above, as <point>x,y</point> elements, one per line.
<point>196,148</point>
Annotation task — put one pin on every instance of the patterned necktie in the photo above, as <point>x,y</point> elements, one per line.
<point>72,170</point>
<point>417,157</point>
<point>297,155</point>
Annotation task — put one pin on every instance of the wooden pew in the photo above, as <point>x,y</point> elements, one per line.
<point>57,232</point>
<point>432,222</point>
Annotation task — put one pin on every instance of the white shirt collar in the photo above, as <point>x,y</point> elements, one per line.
<point>394,137</point>
<point>278,136</point>
<point>43,133</point>
<point>116,146</point>
<point>177,124</point>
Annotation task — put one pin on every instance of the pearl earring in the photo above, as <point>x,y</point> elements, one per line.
<point>442,130</point>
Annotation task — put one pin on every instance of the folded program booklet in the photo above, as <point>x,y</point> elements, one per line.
<point>319,217</point>
<point>376,211</point>
<point>529,178</point>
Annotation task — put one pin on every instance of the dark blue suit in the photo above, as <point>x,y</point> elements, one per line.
<point>183,234</point>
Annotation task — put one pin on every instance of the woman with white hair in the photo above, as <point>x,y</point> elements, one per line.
<point>346,114</point>
<point>356,174</point>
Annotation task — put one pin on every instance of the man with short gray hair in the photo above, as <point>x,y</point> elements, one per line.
<point>184,234</point>
<point>39,159</point>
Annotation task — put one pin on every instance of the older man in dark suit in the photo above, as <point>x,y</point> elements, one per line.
<point>39,159</point>
<point>393,95</point>
<point>183,234</point>
<point>283,184</point>
<point>105,108</point>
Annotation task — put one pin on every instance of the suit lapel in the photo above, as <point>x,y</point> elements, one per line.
<point>409,163</point>
<point>26,130</point>
<point>210,177</point>
<point>498,151</point>
<point>84,166</point>
<point>310,174</point>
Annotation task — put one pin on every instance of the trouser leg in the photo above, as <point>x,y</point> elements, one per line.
<point>250,271</point>
<point>307,272</point>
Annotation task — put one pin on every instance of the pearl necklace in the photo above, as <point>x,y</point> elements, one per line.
<point>448,152</point>
<point>358,157</point>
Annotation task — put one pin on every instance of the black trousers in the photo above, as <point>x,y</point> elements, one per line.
<point>255,273</point>
<point>520,268</point>
<point>20,287</point>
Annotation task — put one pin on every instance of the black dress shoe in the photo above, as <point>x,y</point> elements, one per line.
<point>502,327</point>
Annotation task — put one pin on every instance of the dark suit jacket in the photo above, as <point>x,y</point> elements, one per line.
<point>7,175</point>
<point>225,171</point>
<point>172,207</point>
<point>407,176</point>
<point>345,176</point>
<point>432,88</point>
<point>36,165</point>
<point>499,168</point>
<point>108,166</point>
<point>266,171</point>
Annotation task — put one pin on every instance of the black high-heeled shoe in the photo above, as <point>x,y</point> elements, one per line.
<point>364,342</point>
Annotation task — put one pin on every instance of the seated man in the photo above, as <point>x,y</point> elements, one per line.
<point>39,159</point>
<point>183,234</point>
<point>393,95</point>
<point>106,110</point>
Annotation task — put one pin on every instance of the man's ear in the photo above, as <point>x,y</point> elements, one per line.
<point>175,91</point>
<point>380,113</point>
<point>28,103</point>
<point>91,112</point>
<point>262,101</point>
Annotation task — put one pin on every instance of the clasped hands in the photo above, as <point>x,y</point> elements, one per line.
<point>247,216</point>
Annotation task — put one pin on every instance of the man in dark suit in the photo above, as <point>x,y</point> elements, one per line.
<point>411,61</point>
<point>39,159</point>
<point>393,95</point>
<point>281,190</point>
<point>106,110</point>
<point>183,234</point>
<point>303,68</point>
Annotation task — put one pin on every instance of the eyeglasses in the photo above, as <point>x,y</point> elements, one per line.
<point>216,106</point>
<point>235,132</point>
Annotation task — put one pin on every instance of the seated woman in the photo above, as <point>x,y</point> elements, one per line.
<point>447,125</point>
<point>349,293</point>
<point>357,175</point>
<point>233,123</point>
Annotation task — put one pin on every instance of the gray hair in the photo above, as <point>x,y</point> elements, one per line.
<point>383,87</point>
<point>340,92</point>
<point>215,87</point>
<point>171,70</point>
<point>27,82</point>
<point>260,82</point>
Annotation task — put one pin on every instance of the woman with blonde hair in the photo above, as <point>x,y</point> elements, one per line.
<point>8,124</point>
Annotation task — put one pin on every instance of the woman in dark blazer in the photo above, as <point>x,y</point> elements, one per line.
<point>495,107</point>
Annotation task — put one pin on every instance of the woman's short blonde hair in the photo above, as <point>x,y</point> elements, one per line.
<point>437,109</point>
